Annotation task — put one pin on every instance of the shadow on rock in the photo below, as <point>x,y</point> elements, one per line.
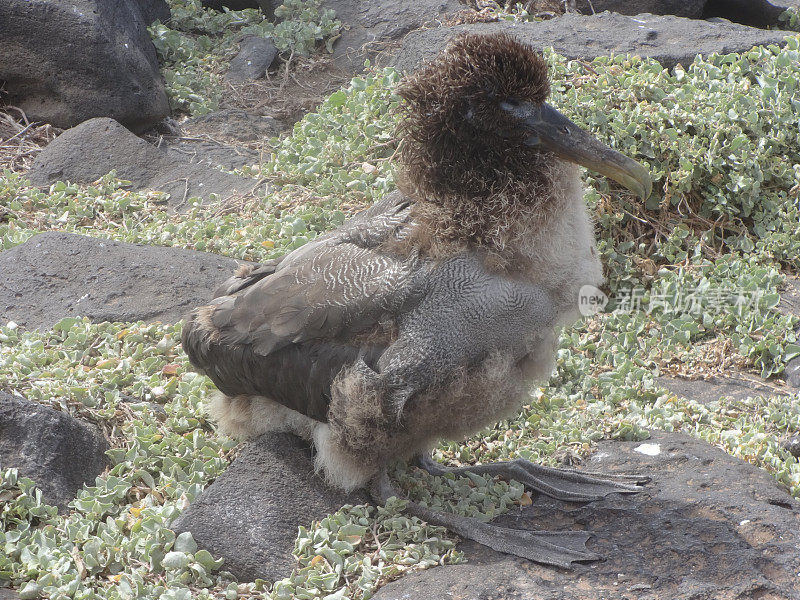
<point>707,526</point>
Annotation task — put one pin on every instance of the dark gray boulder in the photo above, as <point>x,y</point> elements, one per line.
<point>735,386</point>
<point>230,4</point>
<point>708,526</point>
<point>57,451</point>
<point>669,40</point>
<point>65,62</point>
<point>154,10</point>
<point>755,13</point>
<point>792,372</point>
<point>792,446</point>
<point>267,6</point>
<point>254,58</point>
<point>790,305</point>
<point>370,28</point>
<point>250,514</point>
<point>56,275</point>
<point>692,9</point>
<point>87,152</point>
<point>790,297</point>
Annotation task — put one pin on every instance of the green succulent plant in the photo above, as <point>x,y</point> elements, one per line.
<point>706,255</point>
<point>196,45</point>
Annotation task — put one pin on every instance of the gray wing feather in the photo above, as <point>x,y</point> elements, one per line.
<point>334,286</point>
<point>247,277</point>
<point>343,291</point>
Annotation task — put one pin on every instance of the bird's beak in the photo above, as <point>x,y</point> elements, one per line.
<point>555,132</point>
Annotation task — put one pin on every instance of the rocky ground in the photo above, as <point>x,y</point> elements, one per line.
<point>238,136</point>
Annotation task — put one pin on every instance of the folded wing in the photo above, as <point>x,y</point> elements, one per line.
<point>316,300</point>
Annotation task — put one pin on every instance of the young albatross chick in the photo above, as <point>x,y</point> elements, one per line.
<point>431,314</point>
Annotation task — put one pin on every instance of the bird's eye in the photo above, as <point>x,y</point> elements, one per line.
<point>566,130</point>
<point>511,105</point>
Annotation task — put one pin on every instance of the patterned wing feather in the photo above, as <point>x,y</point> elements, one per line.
<point>331,288</point>
<point>342,291</point>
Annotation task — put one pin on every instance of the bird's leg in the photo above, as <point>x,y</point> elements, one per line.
<point>560,548</point>
<point>394,394</point>
<point>562,484</point>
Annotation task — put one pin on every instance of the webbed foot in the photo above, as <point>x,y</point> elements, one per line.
<point>561,484</point>
<point>552,548</point>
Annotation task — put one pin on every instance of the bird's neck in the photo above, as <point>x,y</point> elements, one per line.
<point>559,251</point>
<point>547,239</point>
<point>506,225</point>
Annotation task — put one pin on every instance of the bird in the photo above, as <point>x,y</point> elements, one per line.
<point>431,314</point>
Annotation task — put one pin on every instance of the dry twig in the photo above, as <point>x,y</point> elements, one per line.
<point>21,140</point>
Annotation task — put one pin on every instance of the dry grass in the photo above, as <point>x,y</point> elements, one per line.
<point>21,140</point>
<point>486,11</point>
<point>298,86</point>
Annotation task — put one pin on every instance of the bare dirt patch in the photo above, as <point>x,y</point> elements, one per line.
<point>297,87</point>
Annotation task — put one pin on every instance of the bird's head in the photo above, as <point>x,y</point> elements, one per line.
<point>475,123</point>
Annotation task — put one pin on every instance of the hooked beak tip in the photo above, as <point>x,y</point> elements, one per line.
<point>633,176</point>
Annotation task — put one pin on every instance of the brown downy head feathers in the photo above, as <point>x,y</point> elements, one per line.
<point>463,158</point>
